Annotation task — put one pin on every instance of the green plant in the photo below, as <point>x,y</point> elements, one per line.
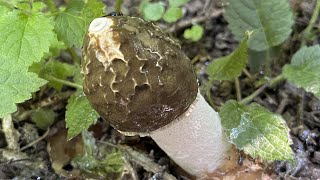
<point>154,11</point>
<point>32,36</point>
<point>251,127</point>
<point>34,33</point>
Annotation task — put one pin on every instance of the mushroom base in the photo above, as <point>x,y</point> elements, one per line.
<point>196,140</point>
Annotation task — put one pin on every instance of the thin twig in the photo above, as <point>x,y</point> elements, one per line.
<point>146,162</point>
<point>247,73</point>
<point>283,104</point>
<point>36,141</point>
<point>129,167</point>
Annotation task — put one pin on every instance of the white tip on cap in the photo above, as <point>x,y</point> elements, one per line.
<point>100,24</point>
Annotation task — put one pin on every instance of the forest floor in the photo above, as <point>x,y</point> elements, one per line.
<point>46,159</point>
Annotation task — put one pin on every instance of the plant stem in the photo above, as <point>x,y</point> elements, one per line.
<point>247,73</point>
<point>238,89</point>
<point>273,82</point>
<point>313,20</point>
<point>254,94</point>
<point>74,55</point>
<point>64,82</point>
<point>118,5</point>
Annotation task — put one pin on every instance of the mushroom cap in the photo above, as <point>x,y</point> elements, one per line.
<point>135,76</point>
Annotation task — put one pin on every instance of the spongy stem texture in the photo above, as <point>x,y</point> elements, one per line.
<point>195,141</point>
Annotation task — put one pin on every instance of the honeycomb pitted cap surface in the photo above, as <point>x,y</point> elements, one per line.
<point>135,76</point>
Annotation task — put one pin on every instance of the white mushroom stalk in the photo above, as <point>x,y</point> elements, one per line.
<point>138,79</point>
<point>196,140</point>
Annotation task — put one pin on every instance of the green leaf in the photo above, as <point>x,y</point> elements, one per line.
<point>270,20</point>
<point>172,14</point>
<point>43,118</point>
<point>229,67</point>
<point>195,33</point>
<point>73,22</point>
<point>25,38</point>
<point>3,10</point>
<point>256,131</point>
<point>142,5</point>
<point>177,3</point>
<point>56,69</point>
<point>79,115</point>
<point>16,85</point>
<point>304,70</point>
<point>153,11</point>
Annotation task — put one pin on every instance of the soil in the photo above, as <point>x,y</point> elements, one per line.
<point>300,109</point>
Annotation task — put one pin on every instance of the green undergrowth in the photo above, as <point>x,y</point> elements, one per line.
<point>34,34</point>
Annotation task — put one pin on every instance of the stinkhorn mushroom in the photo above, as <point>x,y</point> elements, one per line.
<point>139,80</point>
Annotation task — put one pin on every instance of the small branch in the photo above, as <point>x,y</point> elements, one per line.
<point>247,73</point>
<point>129,167</point>
<point>273,82</point>
<point>64,82</point>
<point>36,141</point>
<point>238,89</point>
<point>118,5</point>
<point>11,134</point>
<point>187,22</point>
<point>145,162</point>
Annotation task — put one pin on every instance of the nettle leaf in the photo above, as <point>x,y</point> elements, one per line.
<point>270,20</point>
<point>153,11</point>
<point>25,38</point>
<point>16,85</point>
<point>229,67</point>
<point>177,3</point>
<point>194,33</point>
<point>3,10</point>
<point>172,14</point>
<point>304,70</point>
<point>256,131</point>
<point>79,115</point>
<point>73,22</point>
